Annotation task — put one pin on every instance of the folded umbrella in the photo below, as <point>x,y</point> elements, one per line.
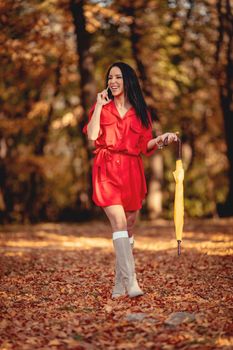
<point>179,192</point>
<point>179,196</point>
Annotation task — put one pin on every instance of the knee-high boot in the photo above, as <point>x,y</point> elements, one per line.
<point>119,288</point>
<point>125,262</point>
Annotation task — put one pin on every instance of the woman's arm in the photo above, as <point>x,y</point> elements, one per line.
<point>151,144</point>
<point>93,126</point>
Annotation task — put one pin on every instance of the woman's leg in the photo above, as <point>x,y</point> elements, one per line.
<point>131,217</point>
<point>124,256</point>
<point>117,217</point>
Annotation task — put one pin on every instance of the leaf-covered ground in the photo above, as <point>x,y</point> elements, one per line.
<point>56,282</point>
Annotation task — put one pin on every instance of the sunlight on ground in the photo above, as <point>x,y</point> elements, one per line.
<point>54,241</point>
<point>75,237</point>
<point>224,341</point>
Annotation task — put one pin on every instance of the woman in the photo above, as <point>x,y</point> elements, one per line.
<point>120,125</point>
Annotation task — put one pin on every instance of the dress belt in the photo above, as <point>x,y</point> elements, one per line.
<point>104,155</point>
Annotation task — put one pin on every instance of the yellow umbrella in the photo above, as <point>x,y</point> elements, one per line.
<point>179,192</point>
<point>179,196</point>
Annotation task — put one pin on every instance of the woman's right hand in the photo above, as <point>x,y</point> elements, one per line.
<point>102,97</point>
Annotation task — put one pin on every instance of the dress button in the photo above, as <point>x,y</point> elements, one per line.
<point>117,161</point>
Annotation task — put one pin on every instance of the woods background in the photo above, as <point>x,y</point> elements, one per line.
<point>54,55</point>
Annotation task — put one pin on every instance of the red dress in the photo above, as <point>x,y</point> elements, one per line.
<point>118,172</point>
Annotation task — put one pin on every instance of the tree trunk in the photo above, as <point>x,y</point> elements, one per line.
<point>224,59</point>
<point>33,211</point>
<point>87,82</point>
<point>135,36</point>
<point>85,61</point>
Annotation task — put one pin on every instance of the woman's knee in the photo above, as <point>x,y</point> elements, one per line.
<point>131,219</point>
<point>119,223</point>
<point>130,223</point>
<point>117,218</point>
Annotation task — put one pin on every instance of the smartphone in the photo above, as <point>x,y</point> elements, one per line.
<point>109,92</point>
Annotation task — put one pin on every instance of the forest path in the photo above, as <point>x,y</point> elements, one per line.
<point>56,282</point>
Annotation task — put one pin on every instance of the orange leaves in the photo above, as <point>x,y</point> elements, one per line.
<point>54,342</point>
<point>56,294</point>
<point>97,14</point>
<point>39,109</point>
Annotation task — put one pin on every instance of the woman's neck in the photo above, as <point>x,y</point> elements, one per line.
<point>121,101</point>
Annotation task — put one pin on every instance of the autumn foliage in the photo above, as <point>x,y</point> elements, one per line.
<point>54,55</point>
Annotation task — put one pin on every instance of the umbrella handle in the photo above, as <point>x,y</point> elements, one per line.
<point>179,146</point>
<point>179,149</point>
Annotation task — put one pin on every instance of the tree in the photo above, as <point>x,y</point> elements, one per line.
<point>224,60</point>
<point>85,59</point>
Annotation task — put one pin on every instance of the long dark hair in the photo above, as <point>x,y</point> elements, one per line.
<point>132,91</point>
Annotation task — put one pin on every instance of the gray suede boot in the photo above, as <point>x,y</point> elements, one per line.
<point>131,241</point>
<point>125,261</point>
<point>119,288</point>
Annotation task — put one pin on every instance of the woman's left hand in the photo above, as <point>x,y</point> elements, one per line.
<point>166,138</point>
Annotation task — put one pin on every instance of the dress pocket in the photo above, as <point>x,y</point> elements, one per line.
<point>107,120</point>
<point>101,174</point>
<point>135,128</point>
<point>135,134</point>
<point>108,128</point>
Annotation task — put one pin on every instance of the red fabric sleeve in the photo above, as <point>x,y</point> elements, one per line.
<point>147,136</point>
<point>145,139</point>
<point>89,118</point>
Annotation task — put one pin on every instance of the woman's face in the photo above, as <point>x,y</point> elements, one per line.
<point>115,81</point>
